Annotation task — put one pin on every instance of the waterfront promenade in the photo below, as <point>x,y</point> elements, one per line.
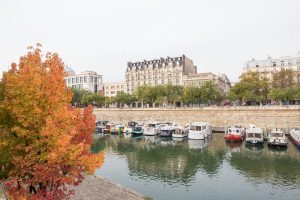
<point>95,188</point>
<point>262,116</point>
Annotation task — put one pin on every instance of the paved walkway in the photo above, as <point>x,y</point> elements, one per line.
<point>96,188</point>
<point>2,195</point>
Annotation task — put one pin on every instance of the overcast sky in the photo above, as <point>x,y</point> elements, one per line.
<point>218,35</point>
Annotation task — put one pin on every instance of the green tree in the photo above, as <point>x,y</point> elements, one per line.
<point>285,78</point>
<point>251,87</point>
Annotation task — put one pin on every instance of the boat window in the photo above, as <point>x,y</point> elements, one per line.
<point>203,127</point>
<point>229,130</point>
<point>276,134</point>
<point>195,128</point>
<point>257,135</point>
<point>250,134</point>
<point>138,128</point>
<point>237,130</point>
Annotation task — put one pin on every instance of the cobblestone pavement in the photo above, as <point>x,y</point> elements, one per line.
<point>96,188</point>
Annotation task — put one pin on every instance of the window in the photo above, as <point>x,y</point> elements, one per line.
<point>257,65</point>
<point>99,80</point>
<point>91,79</point>
<point>282,63</point>
<point>81,79</point>
<point>73,80</point>
<point>77,79</point>
<point>69,81</point>
<point>298,68</point>
<point>85,79</point>
<point>95,88</point>
<point>95,79</point>
<point>274,64</point>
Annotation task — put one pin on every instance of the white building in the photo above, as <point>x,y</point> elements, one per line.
<point>197,80</point>
<point>272,65</point>
<point>158,71</point>
<point>113,88</point>
<point>86,80</point>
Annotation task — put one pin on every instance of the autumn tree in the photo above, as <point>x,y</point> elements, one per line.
<point>44,142</point>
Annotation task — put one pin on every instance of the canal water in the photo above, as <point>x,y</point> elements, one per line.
<point>168,169</point>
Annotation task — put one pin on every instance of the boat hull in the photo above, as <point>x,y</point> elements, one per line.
<point>254,142</point>
<point>277,144</point>
<point>196,136</point>
<point>179,135</point>
<point>234,138</point>
<point>150,132</point>
<point>295,141</point>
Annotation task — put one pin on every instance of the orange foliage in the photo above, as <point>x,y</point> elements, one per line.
<point>48,140</point>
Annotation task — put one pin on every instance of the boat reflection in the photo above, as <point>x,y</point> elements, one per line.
<point>234,147</point>
<point>197,144</point>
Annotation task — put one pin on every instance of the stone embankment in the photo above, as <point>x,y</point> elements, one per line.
<point>262,116</point>
<point>96,188</point>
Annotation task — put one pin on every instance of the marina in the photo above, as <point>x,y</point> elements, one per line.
<point>179,168</point>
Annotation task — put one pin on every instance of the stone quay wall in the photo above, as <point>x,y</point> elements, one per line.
<point>265,117</point>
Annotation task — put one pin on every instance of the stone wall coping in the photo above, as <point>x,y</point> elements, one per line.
<point>236,108</point>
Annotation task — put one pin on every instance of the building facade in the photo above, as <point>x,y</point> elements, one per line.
<point>272,65</point>
<point>87,80</point>
<point>112,89</point>
<point>197,80</point>
<point>158,71</point>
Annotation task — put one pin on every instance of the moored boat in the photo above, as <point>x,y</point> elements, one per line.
<point>167,130</point>
<point>199,130</point>
<point>152,129</point>
<point>235,134</point>
<point>181,132</point>
<point>295,136</point>
<point>277,138</point>
<point>254,136</point>
<point>130,126</point>
<point>137,131</point>
<point>117,129</point>
<point>100,126</point>
<point>108,128</point>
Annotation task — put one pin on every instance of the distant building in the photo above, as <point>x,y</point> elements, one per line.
<point>272,65</point>
<point>86,80</point>
<point>158,71</point>
<point>113,88</point>
<point>222,82</point>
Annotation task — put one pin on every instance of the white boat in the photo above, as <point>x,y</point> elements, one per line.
<point>181,132</point>
<point>167,129</point>
<point>254,135</point>
<point>295,136</point>
<point>100,126</point>
<point>130,126</point>
<point>152,129</point>
<point>199,130</point>
<point>277,138</point>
